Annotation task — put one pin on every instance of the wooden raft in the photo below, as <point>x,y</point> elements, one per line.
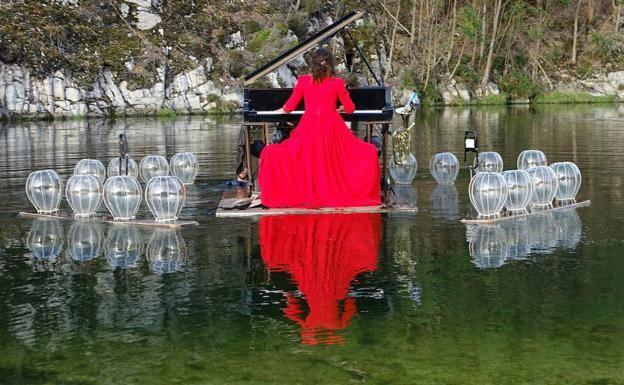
<point>228,198</point>
<point>513,217</point>
<point>135,222</point>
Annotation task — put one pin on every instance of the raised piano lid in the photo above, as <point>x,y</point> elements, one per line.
<point>303,47</point>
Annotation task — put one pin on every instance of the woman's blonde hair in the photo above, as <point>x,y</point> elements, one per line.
<point>322,64</point>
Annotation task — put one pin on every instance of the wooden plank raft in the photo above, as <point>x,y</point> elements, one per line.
<point>136,222</point>
<point>228,208</point>
<point>513,217</point>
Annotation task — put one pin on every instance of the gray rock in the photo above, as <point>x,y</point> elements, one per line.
<point>146,19</point>
<point>491,89</point>
<point>72,94</point>
<point>463,93</point>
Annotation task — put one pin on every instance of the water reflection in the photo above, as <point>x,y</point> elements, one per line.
<point>45,239</point>
<point>323,254</point>
<point>445,202</point>
<point>123,246</point>
<point>166,251</point>
<point>494,245</point>
<point>488,246</point>
<point>404,196</point>
<point>85,240</point>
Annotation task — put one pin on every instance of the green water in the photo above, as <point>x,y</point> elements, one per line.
<point>538,302</point>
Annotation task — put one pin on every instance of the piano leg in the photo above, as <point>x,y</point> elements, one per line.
<point>250,181</point>
<point>265,132</point>
<point>385,131</point>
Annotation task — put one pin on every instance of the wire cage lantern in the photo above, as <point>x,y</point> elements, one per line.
<point>568,181</point>
<point>544,187</point>
<point>44,189</point>
<point>45,238</point>
<point>404,172</point>
<point>153,166</point>
<point>84,241</point>
<point>488,161</point>
<point>123,246</point>
<point>91,167</point>
<point>84,195</point>
<point>122,197</point>
<point>128,167</point>
<point>531,158</point>
<point>166,251</point>
<point>444,167</point>
<point>184,165</point>
<point>488,192</point>
<point>519,191</point>
<point>165,197</point>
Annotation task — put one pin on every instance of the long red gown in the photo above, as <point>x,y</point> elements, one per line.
<point>322,164</point>
<point>323,254</point>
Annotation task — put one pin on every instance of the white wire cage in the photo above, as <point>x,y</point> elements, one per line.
<point>488,161</point>
<point>488,192</point>
<point>519,191</point>
<point>131,169</point>
<point>544,187</point>
<point>404,172</point>
<point>165,197</point>
<point>568,181</point>
<point>44,189</point>
<point>444,167</point>
<point>153,166</point>
<point>531,158</point>
<point>184,165</point>
<point>91,167</point>
<point>122,197</point>
<point>84,195</point>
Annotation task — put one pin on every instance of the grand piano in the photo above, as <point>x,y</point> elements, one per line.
<point>373,103</point>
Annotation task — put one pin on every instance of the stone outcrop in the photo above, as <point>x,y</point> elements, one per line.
<point>454,92</point>
<point>57,95</point>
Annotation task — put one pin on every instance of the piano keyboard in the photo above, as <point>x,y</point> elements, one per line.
<point>301,112</point>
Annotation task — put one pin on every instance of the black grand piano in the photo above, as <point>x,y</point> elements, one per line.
<point>373,104</point>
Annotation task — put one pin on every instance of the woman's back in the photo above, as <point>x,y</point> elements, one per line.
<point>321,96</point>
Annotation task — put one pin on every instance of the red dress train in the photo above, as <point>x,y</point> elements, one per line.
<point>322,164</point>
<point>323,254</point>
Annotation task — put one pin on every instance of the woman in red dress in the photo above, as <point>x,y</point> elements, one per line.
<point>322,164</point>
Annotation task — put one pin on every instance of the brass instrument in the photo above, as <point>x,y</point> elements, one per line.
<point>401,137</point>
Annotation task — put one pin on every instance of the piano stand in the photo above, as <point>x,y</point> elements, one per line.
<point>385,131</point>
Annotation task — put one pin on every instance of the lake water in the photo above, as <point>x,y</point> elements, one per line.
<point>336,299</point>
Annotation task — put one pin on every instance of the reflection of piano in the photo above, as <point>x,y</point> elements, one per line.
<point>373,104</point>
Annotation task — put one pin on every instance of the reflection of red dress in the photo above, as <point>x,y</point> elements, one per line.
<point>323,254</point>
<point>322,164</point>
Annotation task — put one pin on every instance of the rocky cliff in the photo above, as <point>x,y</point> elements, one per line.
<point>62,58</point>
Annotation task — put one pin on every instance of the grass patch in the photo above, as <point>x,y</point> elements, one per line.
<point>572,97</point>
<point>489,100</point>
<point>166,112</point>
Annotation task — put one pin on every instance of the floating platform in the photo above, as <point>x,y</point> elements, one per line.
<point>228,209</point>
<point>513,217</point>
<point>135,222</point>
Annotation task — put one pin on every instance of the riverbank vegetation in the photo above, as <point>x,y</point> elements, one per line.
<point>527,48</point>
